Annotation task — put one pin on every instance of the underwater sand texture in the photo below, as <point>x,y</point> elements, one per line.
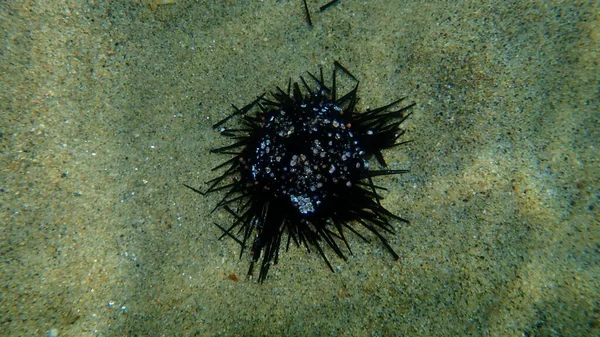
<point>107,110</point>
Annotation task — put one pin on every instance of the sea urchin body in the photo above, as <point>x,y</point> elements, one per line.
<point>300,167</point>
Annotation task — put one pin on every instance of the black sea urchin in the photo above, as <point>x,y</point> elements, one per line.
<point>300,166</point>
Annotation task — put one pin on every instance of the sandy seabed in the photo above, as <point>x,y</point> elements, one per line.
<point>107,110</point>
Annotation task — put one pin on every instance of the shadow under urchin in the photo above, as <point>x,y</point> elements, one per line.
<point>299,166</point>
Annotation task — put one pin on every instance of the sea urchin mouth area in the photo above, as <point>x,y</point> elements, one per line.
<point>306,150</point>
